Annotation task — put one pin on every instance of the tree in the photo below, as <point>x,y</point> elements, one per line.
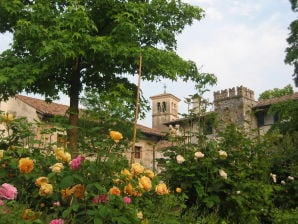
<point>276,92</point>
<point>68,45</point>
<point>292,50</point>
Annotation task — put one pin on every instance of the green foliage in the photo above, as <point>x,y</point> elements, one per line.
<point>291,50</point>
<point>287,116</point>
<point>244,196</point>
<point>276,92</point>
<point>76,188</point>
<point>66,46</point>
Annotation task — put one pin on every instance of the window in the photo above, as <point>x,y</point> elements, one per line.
<point>207,130</point>
<point>158,107</point>
<point>138,152</point>
<point>164,106</point>
<point>260,119</point>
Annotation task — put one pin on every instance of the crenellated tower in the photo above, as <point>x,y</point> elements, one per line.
<point>234,105</point>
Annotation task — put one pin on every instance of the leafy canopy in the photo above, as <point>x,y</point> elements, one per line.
<point>292,50</point>
<point>55,41</point>
<point>276,92</point>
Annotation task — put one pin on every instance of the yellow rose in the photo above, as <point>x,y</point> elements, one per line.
<point>137,168</point>
<point>161,189</point>
<point>127,174</point>
<point>41,180</point>
<point>145,183</point>
<point>149,173</point>
<point>28,214</point>
<point>140,215</point>
<point>1,153</point>
<point>128,189</point>
<point>6,117</point>
<point>178,190</point>
<point>63,156</point>
<point>45,189</point>
<point>26,165</point>
<point>116,136</point>
<point>57,167</point>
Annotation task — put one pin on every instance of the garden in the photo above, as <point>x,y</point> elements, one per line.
<point>228,179</point>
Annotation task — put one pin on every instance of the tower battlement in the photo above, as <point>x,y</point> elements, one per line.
<point>239,91</point>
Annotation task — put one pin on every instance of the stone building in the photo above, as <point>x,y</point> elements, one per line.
<point>164,109</point>
<point>231,106</point>
<point>147,148</point>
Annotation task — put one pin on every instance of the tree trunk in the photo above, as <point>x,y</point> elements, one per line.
<point>75,88</point>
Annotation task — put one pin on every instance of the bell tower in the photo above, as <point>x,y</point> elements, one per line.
<point>164,109</point>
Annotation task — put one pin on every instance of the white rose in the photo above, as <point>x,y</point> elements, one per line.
<point>222,154</point>
<point>199,155</point>
<point>223,174</point>
<point>273,177</point>
<point>180,159</point>
<point>290,178</point>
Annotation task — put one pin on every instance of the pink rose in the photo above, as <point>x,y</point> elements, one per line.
<point>100,199</point>
<point>57,221</point>
<point>7,191</point>
<point>75,163</point>
<point>127,200</point>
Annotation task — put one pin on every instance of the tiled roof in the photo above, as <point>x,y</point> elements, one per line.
<point>60,109</point>
<point>150,131</point>
<point>44,107</point>
<point>268,102</point>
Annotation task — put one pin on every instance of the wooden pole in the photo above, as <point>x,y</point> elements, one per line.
<point>136,112</point>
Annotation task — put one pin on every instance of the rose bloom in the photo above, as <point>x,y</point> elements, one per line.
<point>78,190</point>
<point>26,165</point>
<point>57,167</point>
<point>6,117</point>
<point>41,180</point>
<point>57,221</point>
<point>8,191</point>
<point>178,190</point>
<point>145,183</point>
<point>149,173</point>
<point>63,156</point>
<point>1,154</point>
<point>127,200</point>
<point>222,154</point>
<point>128,189</point>
<point>75,163</point>
<point>28,214</point>
<point>273,177</point>
<point>223,174</point>
<point>116,136</point>
<point>114,190</point>
<point>291,178</point>
<point>103,198</point>
<point>127,174</point>
<point>137,168</point>
<point>45,189</point>
<point>199,155</point>
<point>140,215</point>
<point>56,204</point>
<point>65,193</point>
<point>161,189</point>
<point>180,159</point>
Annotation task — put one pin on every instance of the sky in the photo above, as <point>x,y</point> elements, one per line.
<point>242,42</point>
